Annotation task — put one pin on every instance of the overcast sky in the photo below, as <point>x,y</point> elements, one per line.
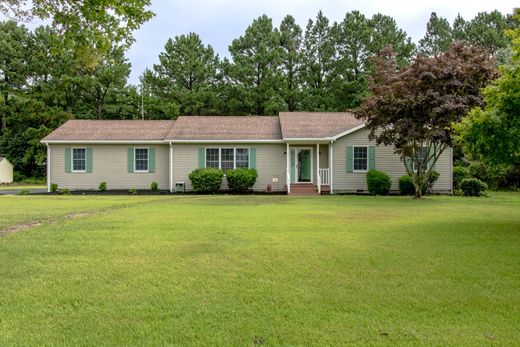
<point>218,22</point>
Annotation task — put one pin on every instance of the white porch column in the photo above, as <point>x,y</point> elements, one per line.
<point>171,167</point>
<point>288,172</point>
<point>318,167</point>
<point>331,169</point>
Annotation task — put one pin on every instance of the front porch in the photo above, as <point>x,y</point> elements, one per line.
<point>308,168</point>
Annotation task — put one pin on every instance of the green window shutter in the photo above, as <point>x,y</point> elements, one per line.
<point>151,159</point>
<point>431,163</point>
<point>202,157</point>
<point>371,157</point>
<point>293,165</point>
<point>89,159</point>
<point>252,158</point>
<point>350,158</point>
<point>130,159</point>
<point>68,164</point>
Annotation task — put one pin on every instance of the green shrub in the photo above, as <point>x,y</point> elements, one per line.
<point>54,187</point>
<point>496,176</point>
<point>34,180</point>
<point>473,187</point>
<point>378,182</point>
<point>65,192</point>
<point>459,173</point>
<point>132,191</point>
<point>23,192</point>
<point>18,177</point>
<point>102,186</point>
<point>206,180</point>
<point>406,186</point>
<point>154,186</point>
<point>241,180</point>
<point>428,187</point>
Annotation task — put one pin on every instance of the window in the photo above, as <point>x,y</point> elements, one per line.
<point>423,153</point>
<point>227,158</point>
<point>361,158</point>
<point>141,159</point>
<point>242,159</point>
<point>79,159</point>
<point>212,158</point>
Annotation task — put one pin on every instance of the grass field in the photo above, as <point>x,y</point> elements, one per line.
<point>16,186</point>
<point>261,270</point>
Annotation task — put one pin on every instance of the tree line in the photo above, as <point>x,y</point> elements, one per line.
<point>48,75</point>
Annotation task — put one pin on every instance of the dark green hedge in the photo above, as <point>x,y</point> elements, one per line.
<point>206,180</point>
<point>378,182</point>
<point>241,180</point>
<point>473,187</point>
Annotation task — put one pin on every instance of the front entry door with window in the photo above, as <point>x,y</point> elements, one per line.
<point>304,165</point>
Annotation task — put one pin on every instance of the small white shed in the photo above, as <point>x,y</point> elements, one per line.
<point>6,171</point>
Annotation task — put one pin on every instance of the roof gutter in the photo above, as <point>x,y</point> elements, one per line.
<point>225,141</point>
<point>104,141</point>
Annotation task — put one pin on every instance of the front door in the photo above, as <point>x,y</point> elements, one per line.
<point>304,165</point>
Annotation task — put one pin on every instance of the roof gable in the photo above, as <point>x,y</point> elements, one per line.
<point>316,125</point>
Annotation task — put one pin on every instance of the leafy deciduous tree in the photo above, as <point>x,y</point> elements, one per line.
<point>492,134</point>
<point>413,108</point>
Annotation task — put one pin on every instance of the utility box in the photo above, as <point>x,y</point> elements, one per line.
<point>180,187</point>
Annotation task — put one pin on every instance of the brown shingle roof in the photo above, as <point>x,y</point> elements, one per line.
<point>316,124</point>
<point>226,128</point>
<point>111,130</point>
<point>310,125</point>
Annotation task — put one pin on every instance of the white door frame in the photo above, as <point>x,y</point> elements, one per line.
<point>296,150</point>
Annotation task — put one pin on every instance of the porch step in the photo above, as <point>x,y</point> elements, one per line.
<point>304,189</point>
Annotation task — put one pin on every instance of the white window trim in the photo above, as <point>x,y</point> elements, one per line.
<point>234,156</point>
<point>147,160</point>
<point>354,157</point>
<point>72,160</point>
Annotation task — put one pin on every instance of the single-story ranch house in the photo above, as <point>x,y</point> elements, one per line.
<point>297,152</point>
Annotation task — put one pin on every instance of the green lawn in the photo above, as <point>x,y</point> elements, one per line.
<point>16,186</point>
<point>262,270</point>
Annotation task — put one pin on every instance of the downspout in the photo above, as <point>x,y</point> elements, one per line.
<point>48,159</point>
<point>318,178</point>
<point>287,172</point>
<point>331,166</point>
<point>170,157</point>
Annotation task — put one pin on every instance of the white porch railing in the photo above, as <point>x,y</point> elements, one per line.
<point>324,176</point>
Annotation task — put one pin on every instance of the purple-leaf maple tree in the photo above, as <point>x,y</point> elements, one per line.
<point>413,108</point>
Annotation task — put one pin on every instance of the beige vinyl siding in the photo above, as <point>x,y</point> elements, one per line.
<point>109,165</point>
<point>386,161</point>
<point>270,163</point>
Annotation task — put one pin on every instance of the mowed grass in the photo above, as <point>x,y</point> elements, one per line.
<point>16,186</point>
<point>267,270</point>
<point>19,209</point>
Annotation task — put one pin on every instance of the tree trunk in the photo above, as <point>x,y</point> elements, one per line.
<point>418,191</point>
